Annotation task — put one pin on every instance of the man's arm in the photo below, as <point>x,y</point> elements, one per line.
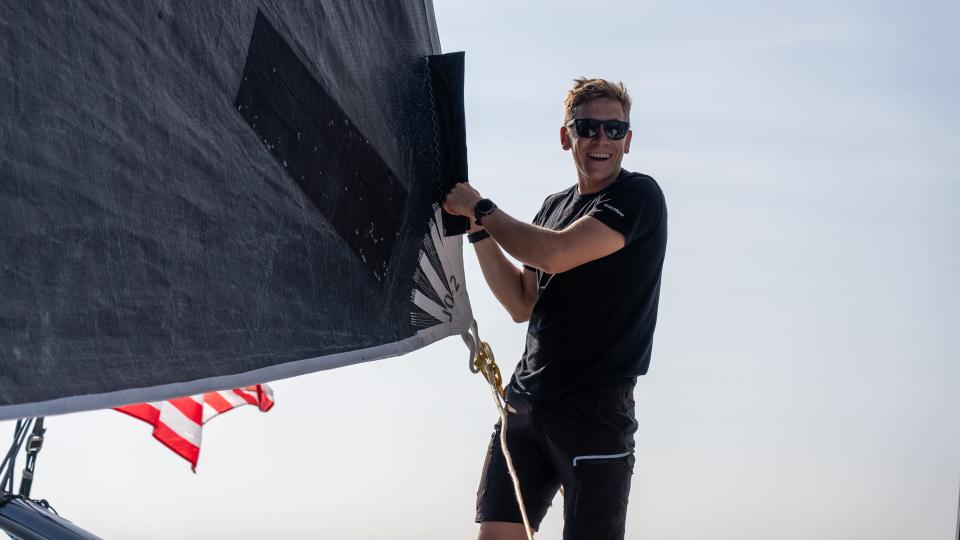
<point>515,288</point>
<point>585,240</point>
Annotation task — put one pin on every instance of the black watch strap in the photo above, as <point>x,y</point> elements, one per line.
<point>473,238</point>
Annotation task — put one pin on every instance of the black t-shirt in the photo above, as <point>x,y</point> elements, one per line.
<point>593,325</point>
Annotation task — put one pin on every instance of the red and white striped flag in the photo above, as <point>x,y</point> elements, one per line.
<point>178,423</point>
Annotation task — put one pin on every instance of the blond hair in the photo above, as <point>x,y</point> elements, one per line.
<point>585,89</point>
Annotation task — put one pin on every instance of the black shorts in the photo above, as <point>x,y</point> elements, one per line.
<point>584,442</point>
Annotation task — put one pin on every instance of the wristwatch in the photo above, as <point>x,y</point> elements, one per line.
<point>482,209</point>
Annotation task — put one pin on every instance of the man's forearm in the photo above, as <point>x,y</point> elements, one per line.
<point>505,280</point>
<point>527,243</point>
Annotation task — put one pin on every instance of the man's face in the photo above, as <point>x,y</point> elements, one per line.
<point>597,159</point>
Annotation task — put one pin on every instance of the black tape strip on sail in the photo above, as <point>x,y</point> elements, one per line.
<point>310,135</point>
<point>446,89</point>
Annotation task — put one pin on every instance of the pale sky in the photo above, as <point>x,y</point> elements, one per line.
<point>805,382</point>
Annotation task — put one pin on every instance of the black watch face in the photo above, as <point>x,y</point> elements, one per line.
<point>485,206</point>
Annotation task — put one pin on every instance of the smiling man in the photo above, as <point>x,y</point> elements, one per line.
<point>589,287</point>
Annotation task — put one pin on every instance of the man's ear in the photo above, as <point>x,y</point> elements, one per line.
<point>565,138</point>
<point>626,142</point>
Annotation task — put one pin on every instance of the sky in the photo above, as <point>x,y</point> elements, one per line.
<point>805,380</point>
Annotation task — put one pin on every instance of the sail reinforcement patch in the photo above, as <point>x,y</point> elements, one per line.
<point>321,149</point>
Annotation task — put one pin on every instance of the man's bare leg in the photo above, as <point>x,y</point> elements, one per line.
<point>501,530</point>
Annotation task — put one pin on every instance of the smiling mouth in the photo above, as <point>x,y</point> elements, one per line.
<point>599,157</point>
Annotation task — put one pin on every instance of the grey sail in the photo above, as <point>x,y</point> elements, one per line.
<point>197,196</point>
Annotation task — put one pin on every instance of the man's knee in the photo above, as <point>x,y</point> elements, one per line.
<point>501,530</point>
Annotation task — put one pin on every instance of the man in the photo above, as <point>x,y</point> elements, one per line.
<point>589,286</point>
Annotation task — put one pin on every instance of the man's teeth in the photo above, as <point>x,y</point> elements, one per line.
<point>599,156</point>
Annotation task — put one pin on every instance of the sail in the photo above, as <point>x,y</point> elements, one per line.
<point>205,195</point>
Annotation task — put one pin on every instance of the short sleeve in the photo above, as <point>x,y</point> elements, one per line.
<point>538,220</point>
<point>634,208</point>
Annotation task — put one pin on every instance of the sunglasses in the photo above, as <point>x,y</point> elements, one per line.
<point>588,128</point>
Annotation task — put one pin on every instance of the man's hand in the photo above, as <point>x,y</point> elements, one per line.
<point>461,200</point>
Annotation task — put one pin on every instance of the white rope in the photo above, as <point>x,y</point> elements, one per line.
<point>476,350</point>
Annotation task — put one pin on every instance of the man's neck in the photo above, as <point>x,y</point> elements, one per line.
<point>585,186</point>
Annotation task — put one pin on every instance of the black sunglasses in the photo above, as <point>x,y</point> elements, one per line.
<point>588,128</point>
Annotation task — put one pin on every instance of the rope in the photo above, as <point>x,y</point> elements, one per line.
<point>483,362</point>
